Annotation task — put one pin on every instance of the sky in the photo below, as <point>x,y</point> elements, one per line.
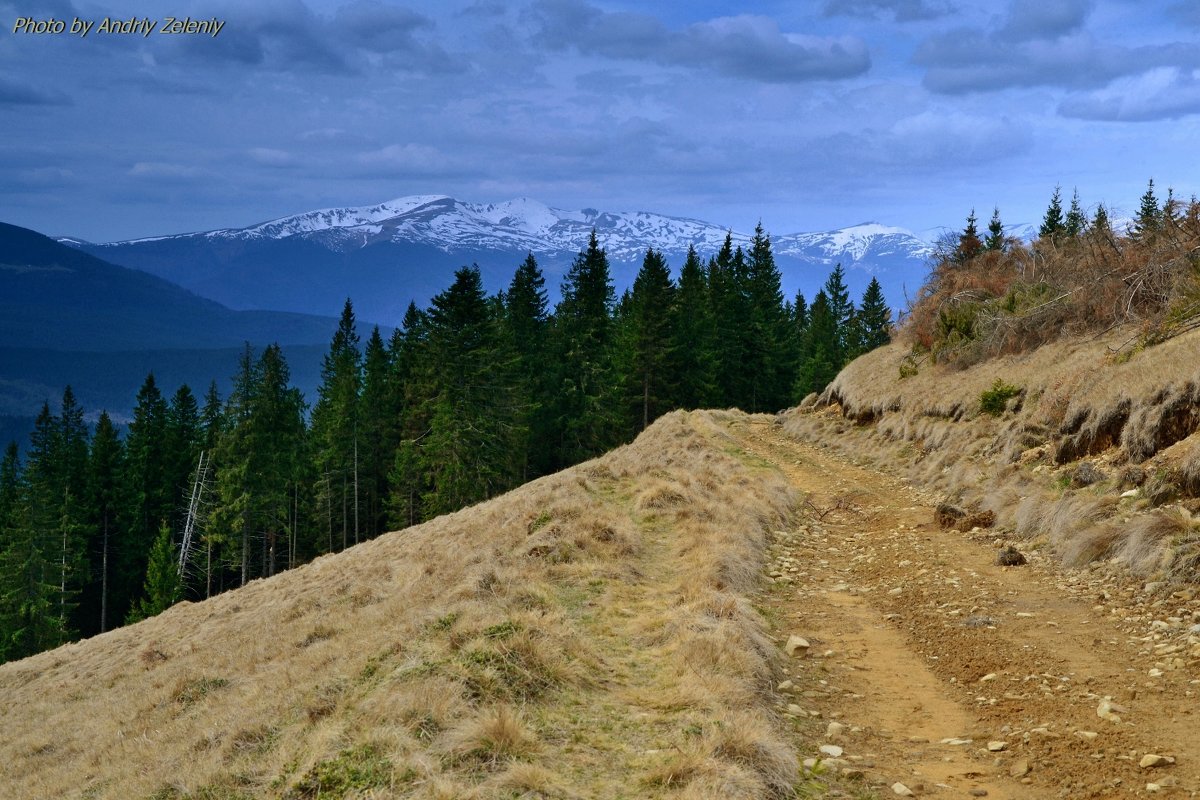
<point>805,115</point>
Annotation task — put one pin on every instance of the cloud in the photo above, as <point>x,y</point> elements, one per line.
<point>1038,43</point>
<point>1044,19</point>
<point>162,170</point>
<point>898,10</point>
<point>16,94</point>
<point>745,46</point>
<point>1158,94</point>
<point>962,61</point>
<point>270,157</point>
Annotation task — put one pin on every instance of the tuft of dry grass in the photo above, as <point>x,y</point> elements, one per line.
<point>554,642</point>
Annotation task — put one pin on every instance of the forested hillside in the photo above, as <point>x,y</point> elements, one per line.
<point>470,397</point>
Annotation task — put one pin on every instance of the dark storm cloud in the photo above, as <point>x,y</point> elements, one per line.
<point>18,94</point>
<point>898,10</point>
<point>1038,43</point>
<point>750,47</point>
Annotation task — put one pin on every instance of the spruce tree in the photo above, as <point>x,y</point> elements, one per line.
<point>841,313</point>
<point>768,358</point>
<point>335,428</point>
<point>469,452</point>
<point>164,586</point>
<point>412,386</point>
<point>30,596</point>
<point>820,355</point>
<point>994,241</point>
<point>1100,222</point>
<point>586,416</point>
<point>149,493</point>
<point>874,318</point>
<point>379,415</point>
<point>1076,221</point>
<point>730,310</point>
<point>526,320</point>
<point>969,244</point>
<point>692,336</point>
<point>103,503</point>
<point>651,352</point>
<point>1149,216</point>
<point>1052,223</point>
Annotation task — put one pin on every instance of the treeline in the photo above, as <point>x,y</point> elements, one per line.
<point>993,293</point>
<point>468,398</point>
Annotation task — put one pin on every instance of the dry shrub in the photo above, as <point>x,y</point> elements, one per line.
<point>1143,549</point>
<point>524,780</point>
<point>748,741</point>
<point>497,735</point>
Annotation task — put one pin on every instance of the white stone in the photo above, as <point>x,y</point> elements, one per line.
<point>831,750</point>
<point>996,747</point>
<point>795,643</point>
<point>1154,760</point>
<point>902,790</point>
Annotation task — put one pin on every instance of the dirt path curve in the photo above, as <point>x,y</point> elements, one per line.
<point>957,677</point>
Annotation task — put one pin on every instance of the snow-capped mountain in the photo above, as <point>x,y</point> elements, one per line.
<point>384,255</point>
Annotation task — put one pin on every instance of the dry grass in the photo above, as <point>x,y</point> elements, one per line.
<point>564,640</point>
<point>1134,416</point>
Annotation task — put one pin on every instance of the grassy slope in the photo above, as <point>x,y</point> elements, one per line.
<point>588,635</point>
<point>1133,417</point>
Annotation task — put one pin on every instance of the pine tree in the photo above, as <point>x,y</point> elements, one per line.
<point>994,241</point>
<point>1076,221</point>
<point>231,523</point>
<point>164,586</point>
<point>1052,224</point>
<point>335,428</point>
<point>651,347</point>
<point>1149,215</point>
<point>692,338</point>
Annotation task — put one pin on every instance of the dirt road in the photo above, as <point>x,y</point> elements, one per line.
<point>956,677</point>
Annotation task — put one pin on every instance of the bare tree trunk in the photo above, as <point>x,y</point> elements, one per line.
<point>104,580</point>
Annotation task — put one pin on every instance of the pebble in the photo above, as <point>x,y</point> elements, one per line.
<point>902,790</point>
<point>795,643</point>
<point>996,747</point>
<point>978,792</point>
<point>1109,710</point>
<point>831,750</point>
<point>1020,769</point>
<point>834,730</point>
<point>1154,760</point>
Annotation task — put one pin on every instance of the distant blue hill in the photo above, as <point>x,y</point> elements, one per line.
<point>67,317</point>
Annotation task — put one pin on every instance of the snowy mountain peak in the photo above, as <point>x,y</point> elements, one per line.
<point>525,224</point>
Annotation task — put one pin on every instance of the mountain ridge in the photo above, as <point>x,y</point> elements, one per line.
<point>389,253</point>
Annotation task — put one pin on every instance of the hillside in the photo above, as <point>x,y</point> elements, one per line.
<point>587,635</point>
<point>56,297</point>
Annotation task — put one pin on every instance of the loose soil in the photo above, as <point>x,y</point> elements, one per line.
<point>927,651</point>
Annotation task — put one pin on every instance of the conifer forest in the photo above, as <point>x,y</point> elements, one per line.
<point>476,394</point>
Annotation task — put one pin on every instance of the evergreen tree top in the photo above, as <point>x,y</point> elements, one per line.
<point>1052,224</point>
